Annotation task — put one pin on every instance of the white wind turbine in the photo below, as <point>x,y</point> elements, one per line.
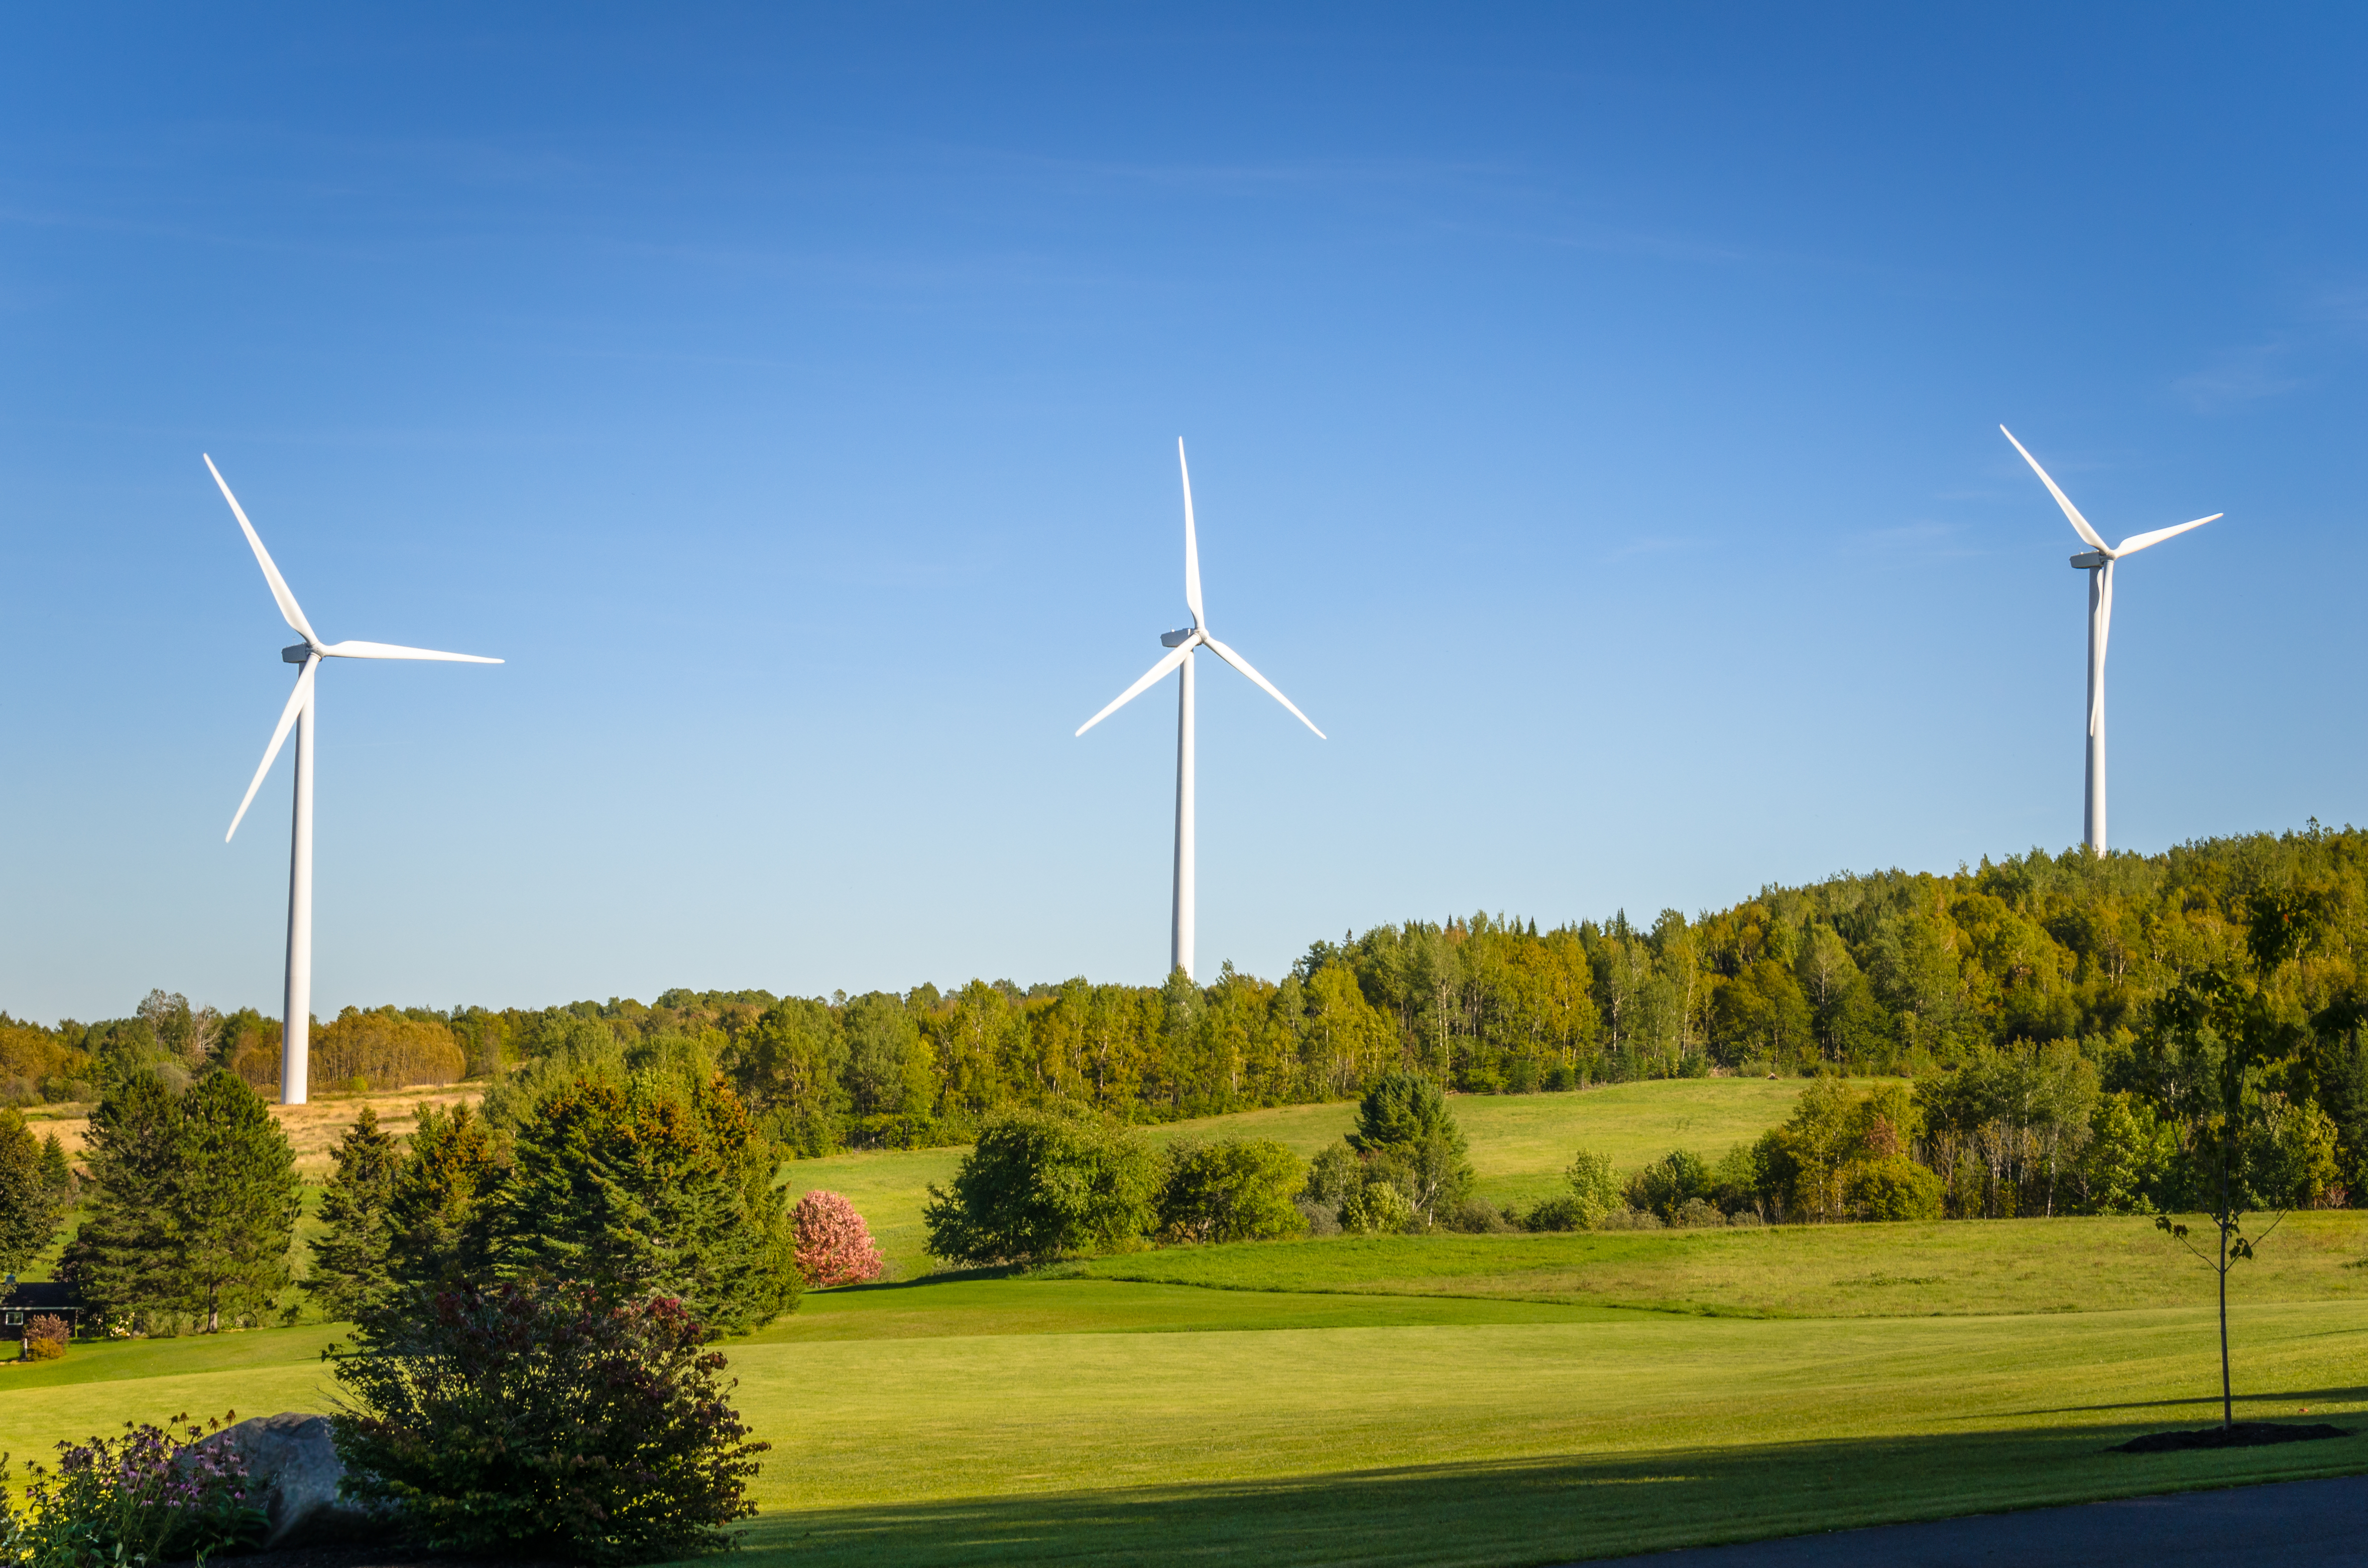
<point>294,1057</point>
<point>2097,561</point>
<point>1179,659</point>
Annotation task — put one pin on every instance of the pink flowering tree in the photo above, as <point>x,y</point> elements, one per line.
<point>835,1246</point>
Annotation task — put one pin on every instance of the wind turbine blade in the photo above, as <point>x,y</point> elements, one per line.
<point>1132,692</point>
<point>288,605</point>
<point>1265,684</point>
<point>353,649</point>
<point>2137,543</point>
<point>2079,524</point>
<point>278,738</point>
<point>1191,545</point>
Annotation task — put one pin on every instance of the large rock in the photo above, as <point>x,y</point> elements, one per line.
<point>292,1457</point>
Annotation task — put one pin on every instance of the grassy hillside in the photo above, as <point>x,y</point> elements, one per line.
<point>1521,1143</point>
<point>1950,1268</point>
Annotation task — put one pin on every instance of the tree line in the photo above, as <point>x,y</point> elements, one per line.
<point>632,1173</point>
<point>2036,983</point>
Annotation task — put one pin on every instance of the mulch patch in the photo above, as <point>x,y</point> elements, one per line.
<point>2243,1435</point>
<point>390,1556</point>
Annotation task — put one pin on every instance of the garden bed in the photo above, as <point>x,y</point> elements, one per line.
<point>2243,1435</point>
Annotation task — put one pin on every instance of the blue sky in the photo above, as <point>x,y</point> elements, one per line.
<point>1593,416</point>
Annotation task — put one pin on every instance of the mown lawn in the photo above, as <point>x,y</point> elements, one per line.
<point>1481,1442</point>
<point>1353,1415</point>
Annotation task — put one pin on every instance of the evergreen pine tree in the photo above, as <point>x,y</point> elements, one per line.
<point>647,1189</point>
<point>435,1201</point>
<point>233,1202</point>
<point>57,1174</point>
<point>122,1253</point>
<point>349,1257</point>
<point>29,1211</point>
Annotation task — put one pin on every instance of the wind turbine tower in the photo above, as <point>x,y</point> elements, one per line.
<point>295,1060</point>
<point>1180,646</point>
<point>2097,561</point>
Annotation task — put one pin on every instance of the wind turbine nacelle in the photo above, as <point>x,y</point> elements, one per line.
<point>1176,639</point>
<point>296,656</point>
<point>2090,560</point>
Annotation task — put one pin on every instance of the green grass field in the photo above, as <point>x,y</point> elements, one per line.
<point>1946,1268</point>
<point>1520,1144</point>
<point>1480,1399</point>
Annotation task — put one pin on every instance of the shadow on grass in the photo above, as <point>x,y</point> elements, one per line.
<point>922,1282</point>
<point>2298,1397</point>
<point>1533,1511</point>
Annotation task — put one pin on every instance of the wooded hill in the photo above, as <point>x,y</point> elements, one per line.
<point>1886,973</point>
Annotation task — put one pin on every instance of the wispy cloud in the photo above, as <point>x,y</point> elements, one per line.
<point>1915,543</point>
<point>1652,545</point>
<point>2241,376</point>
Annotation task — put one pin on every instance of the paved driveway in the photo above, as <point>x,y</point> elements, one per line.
<point>2293,1524</point>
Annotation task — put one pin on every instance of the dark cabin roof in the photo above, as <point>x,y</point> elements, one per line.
<point>42,1295</point>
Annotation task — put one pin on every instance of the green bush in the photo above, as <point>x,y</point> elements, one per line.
<point>1473,1217</point>
<point>1378,1207</point>
<point>45,1337</point>
<point>1594,1191</point>
<point>1561,1214</point>
<point>1037,1186</point>
<point>1893,1187</point>
<point>1332,1175</point>
<point>1669,1184</point>
<point>521,1422</point>
<point>1238,1189</point>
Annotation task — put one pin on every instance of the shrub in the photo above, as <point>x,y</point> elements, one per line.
<point>45,1337</point>
<point>1474,1218</point>
<point>1695,1212</point>
<point>1896,1188</point>
<point>1037,1186</point>
<point>1332,1175</point>
<point>1629,1219</point>
<point>146,1496</point>
<point>1376,1208</point>
<point>835,1246</point>
<point>1735,1183</point>
<point>1593,1189</point>
<point>521,1422</point>
<point>1560,1214</point>
<point>1669,1184</point>
<point>1236,1190</point>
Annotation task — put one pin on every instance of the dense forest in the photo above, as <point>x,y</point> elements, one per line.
<point>2018,993</point>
